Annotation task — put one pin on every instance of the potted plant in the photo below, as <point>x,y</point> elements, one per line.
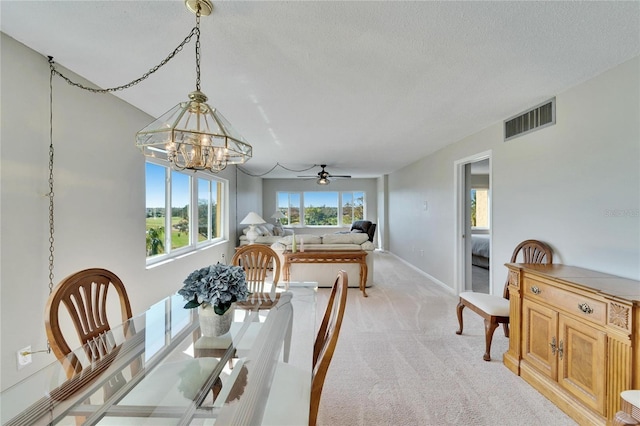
<point>215,289</point>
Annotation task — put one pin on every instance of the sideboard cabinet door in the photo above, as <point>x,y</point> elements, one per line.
<point>540,337</point>
<point>582,354</point>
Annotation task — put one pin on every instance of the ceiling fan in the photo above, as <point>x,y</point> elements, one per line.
<point>323,176</point>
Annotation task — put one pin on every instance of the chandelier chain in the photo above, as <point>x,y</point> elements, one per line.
<point>187,39</point>
<point>51,193</point>
<point>274,167</point>
<point>197,32</point>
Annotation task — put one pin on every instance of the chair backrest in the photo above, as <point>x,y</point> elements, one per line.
<point>84,294</point>
<point>326,340</point>
<point>532,251</point>
<point>256,260</point>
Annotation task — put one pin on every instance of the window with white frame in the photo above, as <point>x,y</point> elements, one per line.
<point>480,208</point>
<point>184,211</point>
<point>321,208</point>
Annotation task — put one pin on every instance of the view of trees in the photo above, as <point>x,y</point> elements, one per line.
<point>320,215</point>
<point>155,241</point>
<point>179,226</point>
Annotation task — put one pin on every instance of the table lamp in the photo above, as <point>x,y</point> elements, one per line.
<point>277,216</point>
<point>252,219</point>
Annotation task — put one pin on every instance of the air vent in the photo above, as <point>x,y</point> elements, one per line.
<point>536,118</point>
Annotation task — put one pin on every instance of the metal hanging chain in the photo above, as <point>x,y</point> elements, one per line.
<point>50,194</point>
<point>194,31</point>
<point>273,168</point>
<point>53,71</point>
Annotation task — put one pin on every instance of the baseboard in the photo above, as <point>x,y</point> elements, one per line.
<point>420,271</point>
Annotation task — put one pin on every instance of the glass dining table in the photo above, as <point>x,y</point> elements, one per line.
<point>160,370</point>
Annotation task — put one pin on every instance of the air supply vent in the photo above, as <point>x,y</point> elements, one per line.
<point>536,118</point>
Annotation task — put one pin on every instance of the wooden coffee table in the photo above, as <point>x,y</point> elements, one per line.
<point>328,256</point>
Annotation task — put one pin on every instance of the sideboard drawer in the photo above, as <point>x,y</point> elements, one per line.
<point>586,307</point>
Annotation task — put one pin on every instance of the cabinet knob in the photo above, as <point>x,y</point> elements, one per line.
<point>535,290</point>
<point>584,307</point>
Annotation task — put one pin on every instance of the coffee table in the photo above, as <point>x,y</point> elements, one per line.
<point>327,256</point>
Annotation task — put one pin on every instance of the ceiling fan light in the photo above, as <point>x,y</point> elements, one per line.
<point>323,181</point>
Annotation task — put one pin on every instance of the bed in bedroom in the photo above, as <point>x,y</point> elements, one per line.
<point>480,250</point>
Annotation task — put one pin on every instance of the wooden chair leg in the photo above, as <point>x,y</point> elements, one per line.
<point>505,326</point>
<point>459,311</point>
<point>489,327</point>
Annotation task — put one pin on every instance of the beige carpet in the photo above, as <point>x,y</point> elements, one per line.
<point>399,362</point>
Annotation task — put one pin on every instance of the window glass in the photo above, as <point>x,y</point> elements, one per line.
<point>196,211</point>
<point>209,209</point>
<point>180,195</point>
<point>289,204</point>
<point>156,200</point>
<point>320,208</point>
<point>352,207</point>
<point>205,205</point>
<point>480,208</point>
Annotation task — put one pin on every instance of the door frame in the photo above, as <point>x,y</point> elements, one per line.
<point>462,228</point>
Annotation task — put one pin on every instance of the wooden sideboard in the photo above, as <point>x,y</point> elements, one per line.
<point>575,337</point>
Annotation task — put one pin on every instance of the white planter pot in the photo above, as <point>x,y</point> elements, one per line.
<point>212,324</point>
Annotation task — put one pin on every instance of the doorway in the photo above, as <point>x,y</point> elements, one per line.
<point>473,223</point>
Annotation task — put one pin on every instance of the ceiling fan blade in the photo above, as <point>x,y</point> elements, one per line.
<point>340,176</point>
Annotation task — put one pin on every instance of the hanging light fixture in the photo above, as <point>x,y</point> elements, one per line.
<point>193,135</point>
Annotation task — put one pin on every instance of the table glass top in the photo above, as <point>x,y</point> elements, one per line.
<point>158,369</point>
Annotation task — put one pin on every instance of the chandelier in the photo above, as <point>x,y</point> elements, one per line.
<point>193,135</point>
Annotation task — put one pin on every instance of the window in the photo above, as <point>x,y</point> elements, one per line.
<point>480,208</point>
<point>195,204</point>
<point>289,204</point>
<point>352,207</point>
<point>321,208</point>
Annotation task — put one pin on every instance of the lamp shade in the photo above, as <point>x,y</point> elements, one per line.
<point>252,218</point>
<point>278,215</point>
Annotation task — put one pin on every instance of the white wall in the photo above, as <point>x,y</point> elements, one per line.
<point>575,185</point>
<point>99,201</point>
<point>249,199</point>
<point>271,186</point>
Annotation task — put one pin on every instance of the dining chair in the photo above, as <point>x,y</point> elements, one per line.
<point>84,294</point>
<point>293,381</point>
<point>258,261</point>
<point>493,308</point>
<point>326,340</point>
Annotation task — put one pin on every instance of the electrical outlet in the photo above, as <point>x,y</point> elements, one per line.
<point>24,357</point>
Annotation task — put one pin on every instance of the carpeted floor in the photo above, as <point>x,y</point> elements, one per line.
<point>399,362</point>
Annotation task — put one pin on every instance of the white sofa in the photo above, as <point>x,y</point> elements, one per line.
<point>267,234</point>
<point>325,274</point>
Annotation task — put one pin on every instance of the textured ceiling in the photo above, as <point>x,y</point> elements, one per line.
<point>364,87</point>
